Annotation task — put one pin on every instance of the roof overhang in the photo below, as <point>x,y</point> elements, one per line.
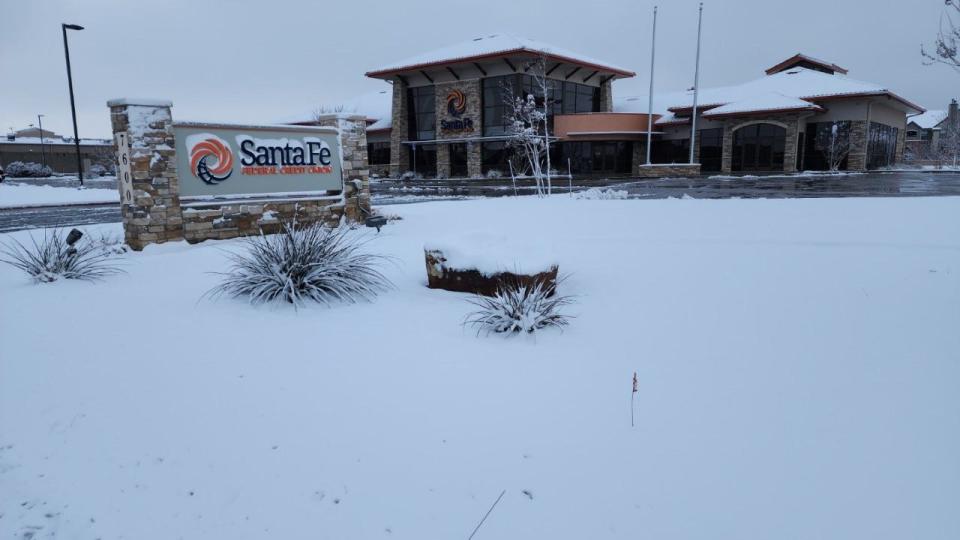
<point>800,58</point>
<point>889,95</point>
<point>764,112</point>
<point>520,51</point>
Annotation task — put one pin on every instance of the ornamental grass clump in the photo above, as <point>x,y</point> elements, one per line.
<point>299,265</point>
<point>60,256</point>
<point>519,308</point>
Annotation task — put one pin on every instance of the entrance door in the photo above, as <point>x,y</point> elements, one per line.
<point>458,160</point>
<point>759,147</point>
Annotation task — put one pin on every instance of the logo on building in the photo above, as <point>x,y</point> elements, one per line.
<point>456,103</point>
<point>216,149</point>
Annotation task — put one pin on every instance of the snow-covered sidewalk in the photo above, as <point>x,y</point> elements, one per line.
<point>797,362</point>
<point>18,195</point>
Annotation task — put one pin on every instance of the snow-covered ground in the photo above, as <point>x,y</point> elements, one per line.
<point>14,194</point>
<point>798,366</point>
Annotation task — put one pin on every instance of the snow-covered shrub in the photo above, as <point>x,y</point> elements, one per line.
<point>51,258</point>
<point>494,173</point>
<point>410,175</point>
<point>312,263</point>
<point>519,309</point>
<point>600,194</point>
<point>28,170</point>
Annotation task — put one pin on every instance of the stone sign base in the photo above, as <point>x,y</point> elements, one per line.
<point>156,212</point>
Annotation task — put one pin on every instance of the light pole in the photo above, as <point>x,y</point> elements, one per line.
<point>73,107</point>
<point>43,155</point>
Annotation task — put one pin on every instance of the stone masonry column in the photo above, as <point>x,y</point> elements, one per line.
<point>154,215</point>
<point>726,160</point>
<point>606,96</point>
<point>353,146</point>
<point>399,158</point>
<point>857,159</point>
<point>790,145</point>
<point>474,160</point>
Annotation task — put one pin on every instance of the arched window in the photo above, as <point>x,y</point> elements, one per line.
<point>758,147</point>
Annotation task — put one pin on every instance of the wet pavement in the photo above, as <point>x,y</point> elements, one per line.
<point>386,192</point>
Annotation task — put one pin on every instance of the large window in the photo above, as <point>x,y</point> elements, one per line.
<point>565,98</point>
<point>422,106</point>
<point>759,147</point>
<point>495,156</point>
<point>826,139</point>
<point>458,160</point>
<point>670,151</point>
<point>881,146</point>
<point>589,157</point>
<point>378,153</point>
<point>423,159</point>
<point>711,149</point>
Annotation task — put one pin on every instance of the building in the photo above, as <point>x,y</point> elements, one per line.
<point>57,152</point>
<point>924,131</point>
<point>771,124</point>
<point>446,116</point>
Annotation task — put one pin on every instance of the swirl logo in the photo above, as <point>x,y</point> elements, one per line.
<point>456,103</point>
<point>219,171</point>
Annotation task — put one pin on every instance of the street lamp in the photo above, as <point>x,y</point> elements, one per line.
<point>43,156</point>
<point>73,107</point>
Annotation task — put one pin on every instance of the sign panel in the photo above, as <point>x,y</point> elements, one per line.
<point>218,160</point>
<point>124,176</point>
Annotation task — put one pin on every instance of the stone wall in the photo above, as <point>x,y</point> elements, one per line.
<point>157,213</point>
<point>399,157</point>
<point>154,215</point>
<point>667,170</point>
<point>857,159</point>
<point>606,96</point>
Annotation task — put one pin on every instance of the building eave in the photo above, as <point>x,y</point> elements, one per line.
<point>388,72</point>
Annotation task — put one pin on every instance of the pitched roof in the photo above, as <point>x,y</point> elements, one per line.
<point>492,46</point>
<point>797,83</point>
<point>765,102</point>
<point>929,119</point>
<point>802,58</point>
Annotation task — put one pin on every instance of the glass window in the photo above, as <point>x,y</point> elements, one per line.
<point>458,160</point>
<point>881,145</point>
<point>819,138</point>
<point>378,153</point>
<point>422,119</point>
<point>711,149</point>
<point>759,147</point>
<point>423,159</point>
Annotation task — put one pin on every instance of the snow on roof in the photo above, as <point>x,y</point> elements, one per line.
<point>146,102</point>
<point>800,83</point>
<point>800,57</point>
<point>770,101</point>
<point>492,45</point>
<point>929,119</point>
<point>376,106</point>
<point>54,141</point>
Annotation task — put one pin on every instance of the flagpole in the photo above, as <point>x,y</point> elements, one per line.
<point>696,89</point>
<point>653,56</point>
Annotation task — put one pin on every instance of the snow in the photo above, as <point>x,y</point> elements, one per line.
<point>376,106</point>
<point>145,102</point>
<point>797,364</point>
<point>800,83</point>
<point>929,119</point>
<point>493,44</point>
<point>14,195</point>
<point>770,101</point>
<point>54,141</point>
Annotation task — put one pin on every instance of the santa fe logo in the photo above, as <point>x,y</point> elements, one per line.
<point>211,159</point>
<point>214,147</point>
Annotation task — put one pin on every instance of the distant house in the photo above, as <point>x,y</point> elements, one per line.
<point>57,152</point>
<point>925,130</point>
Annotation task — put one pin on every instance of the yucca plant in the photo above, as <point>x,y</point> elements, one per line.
<point>519,308</point>
<point>297,265</point>
<point>59,256</point>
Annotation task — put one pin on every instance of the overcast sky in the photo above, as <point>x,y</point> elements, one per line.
<point>255,60</point>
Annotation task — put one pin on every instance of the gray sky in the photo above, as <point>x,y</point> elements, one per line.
<point>255,60</point>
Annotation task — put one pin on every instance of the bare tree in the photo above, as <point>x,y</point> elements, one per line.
<point>948,149</point>
<point>948,38</point>
<point>527,124</point>
<point>834,143</point>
